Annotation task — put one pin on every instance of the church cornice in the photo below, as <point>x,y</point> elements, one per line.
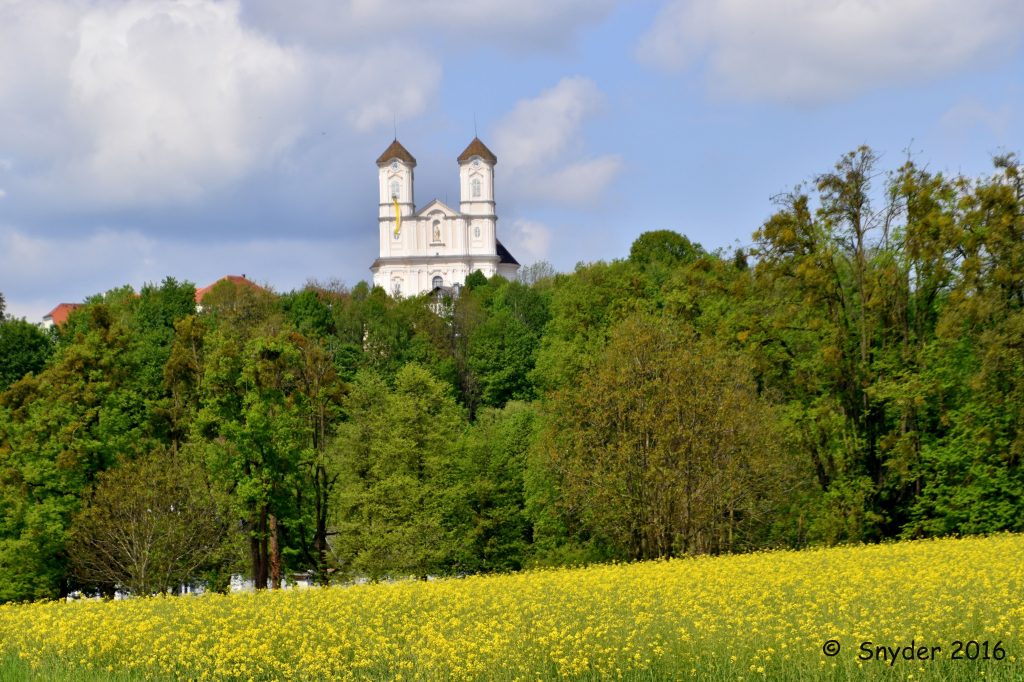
<point>428,260</point>
<point>417,216</point>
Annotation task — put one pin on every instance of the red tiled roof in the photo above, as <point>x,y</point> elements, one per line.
<point>396,151</point>
<point>478,148</point>
<point>59,315</point>
<point>238,280</point>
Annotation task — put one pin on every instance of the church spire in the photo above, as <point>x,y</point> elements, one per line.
<point>478,148</point>
<point>396,151</point>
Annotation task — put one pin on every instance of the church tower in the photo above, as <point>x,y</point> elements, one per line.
<point>476,179</point>
<point>436,246</point>
<point>395,173</point>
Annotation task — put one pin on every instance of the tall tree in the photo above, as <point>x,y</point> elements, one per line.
<point>826,272</point>
<point>664,447</point>
<point>80,416</point>
<point>484,504</point>
<point>251,432</point>
<point>972,476</point>
<point>399,445</point>
<point>320,393</point>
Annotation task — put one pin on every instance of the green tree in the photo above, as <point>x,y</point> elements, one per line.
<point>485,503</point>
<point>149,526</point>
<point>583,306</point>
<point>58,430</point>
<point>664,447</point>
<point>663,247</point>
<point>309,311</point>
<point>319,397</point>
<point>475,279</point>
<point>971,476</point>
<point>154,315</point>
<point>838,291</point>
<point>24,349</point>
<point>398,446</point>
<point>501,356</point>
<point>251,431</point>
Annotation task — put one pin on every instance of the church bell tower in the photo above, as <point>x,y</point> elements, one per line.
<point>395,175</point>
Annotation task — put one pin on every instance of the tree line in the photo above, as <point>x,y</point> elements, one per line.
<point>855,374</point>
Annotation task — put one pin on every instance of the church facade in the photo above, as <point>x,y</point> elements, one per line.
<point>437,246</point>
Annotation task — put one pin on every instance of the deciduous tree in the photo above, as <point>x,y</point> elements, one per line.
<point>664,447</point>
<point>24,348</point>
<point>148,526</point>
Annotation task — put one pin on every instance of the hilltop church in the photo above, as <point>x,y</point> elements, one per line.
<point>437,246</point>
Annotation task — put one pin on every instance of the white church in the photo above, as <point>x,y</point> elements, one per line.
<point>437,246</point>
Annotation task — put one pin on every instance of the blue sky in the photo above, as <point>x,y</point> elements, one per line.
<point>195,138</point>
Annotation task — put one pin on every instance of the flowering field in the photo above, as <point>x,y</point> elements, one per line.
<point>751,617</point>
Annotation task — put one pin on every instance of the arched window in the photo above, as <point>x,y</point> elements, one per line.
<point>475,185</point>
<point>437,282</point>
<point>394,188</point>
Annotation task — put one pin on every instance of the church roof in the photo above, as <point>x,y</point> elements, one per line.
<point>59,315</point>
<point>237,280</point>
<point>396,151</point>
<point>478,148</point>
<point>504,256</point>
<point>434,205</point>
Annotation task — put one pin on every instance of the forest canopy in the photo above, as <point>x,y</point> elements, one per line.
<point>855,373</point>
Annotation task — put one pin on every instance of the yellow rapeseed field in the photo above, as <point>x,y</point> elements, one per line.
<point>764,616</point>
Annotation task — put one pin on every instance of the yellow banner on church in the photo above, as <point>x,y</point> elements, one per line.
<point>398,216</point>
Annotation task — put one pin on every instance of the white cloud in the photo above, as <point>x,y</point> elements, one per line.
<point>518,24</point>
<point>374,86</point>
<point>817,50</point>
<point>529,239</point>
<point>538,130</point>
<point>124,104</point>
<point>540,142</point>
<point>969,113</point>
<point>579,182</point>
<point>175,97</point>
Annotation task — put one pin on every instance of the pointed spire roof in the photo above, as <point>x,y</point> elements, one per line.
<point>396,151</point>
<point>478,148</point>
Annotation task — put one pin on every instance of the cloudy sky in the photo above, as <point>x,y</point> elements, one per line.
<point>197,138</point>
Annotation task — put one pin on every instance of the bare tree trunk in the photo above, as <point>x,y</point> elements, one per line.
<point>254,557</point>
<point>258,551</point>
<point>320,536</point>
<point>275,554</point>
